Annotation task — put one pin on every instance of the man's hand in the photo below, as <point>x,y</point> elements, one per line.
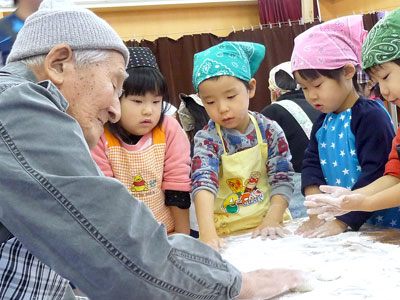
<point>266,284</point>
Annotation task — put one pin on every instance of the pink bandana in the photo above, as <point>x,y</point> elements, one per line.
<point>330,45</point>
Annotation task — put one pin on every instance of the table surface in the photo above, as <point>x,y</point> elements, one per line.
<point>349,266</point>
<point>381,234</point>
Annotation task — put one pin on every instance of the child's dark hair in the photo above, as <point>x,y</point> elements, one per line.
<point>358,86</point>
<point>312,74</point>
<point>284,81</point>
<point>199,115</point>
<point>377,91</point>
<point>141,81</point>
<point>370,71</point>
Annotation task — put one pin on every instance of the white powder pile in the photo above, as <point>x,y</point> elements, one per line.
<point>349,266</point>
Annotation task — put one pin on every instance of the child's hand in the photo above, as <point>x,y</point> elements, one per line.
<point>327,206</point>
<point>218,244</point>
<point>329,228</point>
<point>270,229</point>
<point>309,226</point>
<point>213,241</point>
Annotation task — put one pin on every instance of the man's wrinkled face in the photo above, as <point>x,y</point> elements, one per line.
<point>93,92</point>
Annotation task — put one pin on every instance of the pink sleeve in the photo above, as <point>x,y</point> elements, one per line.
<point>99,155</point>
<point>177,157</point>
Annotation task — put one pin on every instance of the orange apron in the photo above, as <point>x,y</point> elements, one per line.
<point>142,173</point>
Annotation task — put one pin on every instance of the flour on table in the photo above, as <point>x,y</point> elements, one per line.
<point>347,266</point>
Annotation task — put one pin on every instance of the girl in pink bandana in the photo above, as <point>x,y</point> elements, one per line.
<point>344,148</point>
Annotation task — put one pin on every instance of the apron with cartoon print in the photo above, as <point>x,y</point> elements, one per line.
<point>243,194</point>
<point>142,173</point>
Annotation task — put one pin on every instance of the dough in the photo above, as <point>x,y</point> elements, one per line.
<point>328,275</point>
<point>308,285</point>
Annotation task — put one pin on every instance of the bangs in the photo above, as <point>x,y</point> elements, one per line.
<point>371,70</point>
<point>312,74</point>
<point>145,80</point>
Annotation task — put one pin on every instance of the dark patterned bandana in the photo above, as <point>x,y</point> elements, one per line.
<point>141,57</point>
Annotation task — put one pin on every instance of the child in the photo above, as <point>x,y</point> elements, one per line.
<point>344,149</point>
<point>382,63</point>
<point>147,150</point>
<point>192,116</point>
<point>241,170</point>
<point>365,87</point>
<point>290,109</point>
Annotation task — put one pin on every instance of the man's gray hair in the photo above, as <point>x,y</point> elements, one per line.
<point>82,58</point>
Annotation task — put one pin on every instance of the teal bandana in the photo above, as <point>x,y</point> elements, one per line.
<point>383,41</point>
<point>237,59</point>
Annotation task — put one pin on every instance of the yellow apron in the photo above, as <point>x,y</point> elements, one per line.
<point>142,173</point>
<point>243,195</point>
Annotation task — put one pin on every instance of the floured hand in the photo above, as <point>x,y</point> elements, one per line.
<point>272,232</point>
<point>309,225</point>
<point>329,228</point>
<point>266,284</point>
<point>337,201</point>
<point>324,206</point>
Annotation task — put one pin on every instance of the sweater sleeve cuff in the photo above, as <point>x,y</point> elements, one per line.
<point>355,219</point>
<point>177,198</point>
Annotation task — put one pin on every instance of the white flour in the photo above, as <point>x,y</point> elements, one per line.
<point>348,266</point>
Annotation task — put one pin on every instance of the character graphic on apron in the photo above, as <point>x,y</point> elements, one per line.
<point>142,173</point>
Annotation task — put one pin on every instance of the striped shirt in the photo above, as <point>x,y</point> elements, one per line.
<point>24,277</point>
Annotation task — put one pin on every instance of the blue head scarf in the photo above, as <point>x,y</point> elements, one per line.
<point>237,59</point>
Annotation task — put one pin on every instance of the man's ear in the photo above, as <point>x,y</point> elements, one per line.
<point>349,71</point>
<point>252,90</point>
<point>57,62</point>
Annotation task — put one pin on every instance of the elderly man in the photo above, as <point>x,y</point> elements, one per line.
<point>60,218</point>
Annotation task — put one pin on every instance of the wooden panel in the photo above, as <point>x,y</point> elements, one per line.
<point>175,22</point>
<point>307,10</point>
<point>331,9</point>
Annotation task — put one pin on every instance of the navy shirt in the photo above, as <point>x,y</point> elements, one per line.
<point>373,132</point>
<point>295,135</point>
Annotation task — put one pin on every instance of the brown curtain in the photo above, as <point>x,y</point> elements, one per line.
<point>274,11</point>
<point>370,20</point>
<point>175,57</point>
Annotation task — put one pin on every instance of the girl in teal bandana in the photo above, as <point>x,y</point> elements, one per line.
<point>381,60</point>
<point>241,169</point>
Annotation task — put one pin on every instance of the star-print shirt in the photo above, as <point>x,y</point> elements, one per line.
<point>208,150</point>
<point>349,149</point>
